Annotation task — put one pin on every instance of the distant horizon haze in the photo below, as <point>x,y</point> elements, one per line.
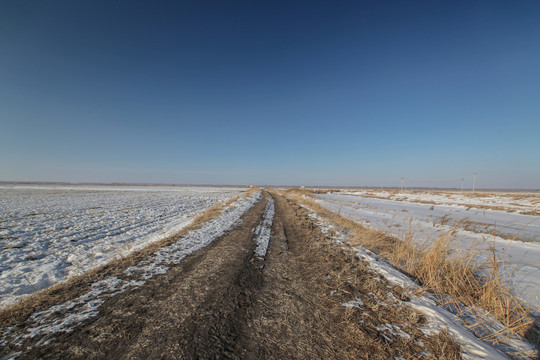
<point>319,186</point>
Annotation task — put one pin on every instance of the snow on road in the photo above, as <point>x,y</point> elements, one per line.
<point>49,232</point>
<point>264,230</point>
<point>426,221</point>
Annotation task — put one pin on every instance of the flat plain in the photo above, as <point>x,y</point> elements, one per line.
<point>188,272</point>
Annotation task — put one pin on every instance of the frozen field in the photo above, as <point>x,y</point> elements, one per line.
<point>495,218</point>
<point>49,233</point>
<point>519,202</point>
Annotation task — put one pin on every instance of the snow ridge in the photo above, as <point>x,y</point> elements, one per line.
<point>193,241</point>
<point>264,229</point>
<point>438,317</point>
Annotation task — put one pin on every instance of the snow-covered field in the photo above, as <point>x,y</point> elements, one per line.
<point>64,317</point>
<point>474,219</point>
<point>51,232</point>
<point>520,202</point>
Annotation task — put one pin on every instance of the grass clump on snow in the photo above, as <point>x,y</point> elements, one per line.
<point>454,278</point>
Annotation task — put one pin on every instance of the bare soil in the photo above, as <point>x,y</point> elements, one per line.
<point>223,303</point>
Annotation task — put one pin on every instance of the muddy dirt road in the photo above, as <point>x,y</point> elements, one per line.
<point>306,299</point>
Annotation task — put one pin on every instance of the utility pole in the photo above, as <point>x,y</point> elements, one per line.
<point>462,184</point>
<point>473,182</point>
<point>402,184</point>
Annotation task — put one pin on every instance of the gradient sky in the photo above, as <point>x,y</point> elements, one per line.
<point>271,92</point>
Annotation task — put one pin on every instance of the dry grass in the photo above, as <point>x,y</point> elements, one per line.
<point>441,344</point>
<point>453,278</point>
<point>332,276</point>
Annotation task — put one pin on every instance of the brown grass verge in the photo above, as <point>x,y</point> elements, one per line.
<point>323,278</point>
<point>453,279</point>
<point>81,284</point>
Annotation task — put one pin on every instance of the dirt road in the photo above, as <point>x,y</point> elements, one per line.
<point>307,299</point>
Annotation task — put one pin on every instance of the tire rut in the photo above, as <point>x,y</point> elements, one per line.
<point>195,310</point>
<point>300,311</point>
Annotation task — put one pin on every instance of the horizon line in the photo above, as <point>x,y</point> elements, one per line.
<point>408,188</point>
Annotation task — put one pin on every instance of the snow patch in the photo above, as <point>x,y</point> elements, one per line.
<point>264,229</point>
<point>356,303</point>
<point>394,330</point>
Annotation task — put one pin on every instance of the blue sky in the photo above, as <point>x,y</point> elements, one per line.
<point>271,92</point>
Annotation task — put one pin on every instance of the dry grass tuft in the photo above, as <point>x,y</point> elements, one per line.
<point>441,344</point>
<point>332,276</point>
<point>452,277</point>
